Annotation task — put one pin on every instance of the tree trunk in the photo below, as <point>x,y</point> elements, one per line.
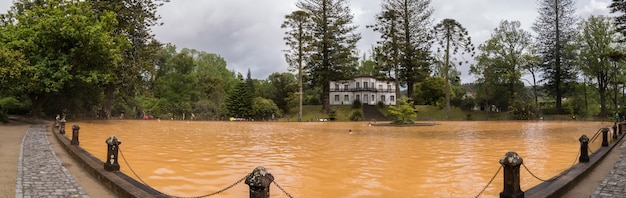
<point>616,91</point>
<point>557,59</point>
<point>38,102</point>
<point>397,79</point>
<point>108,100</point>
<point>535,94</point>
<point>602,92</point>
<point>300,91</point>
<point>446,69</point>
<point>326,98</point>
<point>410,88</point>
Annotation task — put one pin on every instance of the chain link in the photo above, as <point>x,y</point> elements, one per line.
<point>489,183</point>
<point>576,159</point>
<point>202,196</point>
<point>531,173</point>
<point>131,169</point>
<point>218,192</point>
<point>281,188</point>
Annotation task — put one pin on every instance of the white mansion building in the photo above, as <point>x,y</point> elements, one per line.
<point>366,89</point>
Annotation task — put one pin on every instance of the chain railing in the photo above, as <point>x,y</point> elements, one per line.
<point>202,196</point>
<point>576,159</point>
<point>281,188</point>
<point>489,183</point>
<point>531,173</point>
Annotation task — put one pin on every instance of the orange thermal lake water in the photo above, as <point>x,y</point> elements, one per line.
<point>321,159</point>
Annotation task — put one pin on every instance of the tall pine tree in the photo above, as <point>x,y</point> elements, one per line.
<point>405,40</point>
<point>555,33</point>
<point>620,20</point>
<point>334,43</point>
<point>239,101</point>
<point>453,38</point>
<point>298,39</point>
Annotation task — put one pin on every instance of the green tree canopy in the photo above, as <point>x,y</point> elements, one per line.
<point>63,43</point>
<point>596,35</point>
<point>500,61</point>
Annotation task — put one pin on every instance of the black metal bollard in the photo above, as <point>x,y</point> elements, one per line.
<point>75,129</point>
<point>511,162</point>
<point>112,151</point>
<point>605,137</point>
<point>584,149</point>
<point>259,181</point>
<point>62,127</point>
<point>615,131</point>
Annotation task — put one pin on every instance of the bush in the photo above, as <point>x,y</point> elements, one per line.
<point>405,114</point>
<point>332,115</point>
<point>3,117</point>
<point>521,110</point>
<point>380,104</point>
<point>467,104</point>
<point>357,104</point>
<point>554,111</point>
<point>356,115</point>
<point>402,122</point>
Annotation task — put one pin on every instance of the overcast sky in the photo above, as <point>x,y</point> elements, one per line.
<point>247,33</point>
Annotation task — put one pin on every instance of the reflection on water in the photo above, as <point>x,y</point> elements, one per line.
<point>318,159</point>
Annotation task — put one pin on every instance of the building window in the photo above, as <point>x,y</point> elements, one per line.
<point>336,98</point>
<point>382,98</point>
<point>346,98</point>
<point>358,97</point>
<point>380,87</point>
<point>345,87</point>
<point>373,98</point>
<point>365,85</point>
<point>391,98</point>
<point>388,87</point>
<point>358,85</point>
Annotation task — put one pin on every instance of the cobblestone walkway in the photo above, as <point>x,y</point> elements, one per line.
<point>614,185</point>
<point>39,172</point>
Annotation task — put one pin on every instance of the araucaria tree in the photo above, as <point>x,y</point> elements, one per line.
<point>405,44</point>
<point>500,61</point>
<point>620,21</point>
<point>333,44</point>
<point>555,33</point>
<point>453,38</point>
<point>298,39</point>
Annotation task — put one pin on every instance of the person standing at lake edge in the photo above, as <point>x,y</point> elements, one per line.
<point>57,119</point>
